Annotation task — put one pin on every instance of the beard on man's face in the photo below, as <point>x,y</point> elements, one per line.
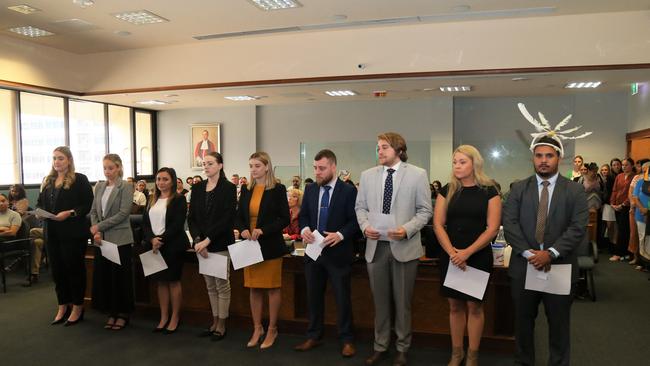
<point>324,180</point>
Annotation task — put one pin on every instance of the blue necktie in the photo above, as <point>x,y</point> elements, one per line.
<point>324,206</point>
<point>388,191</point>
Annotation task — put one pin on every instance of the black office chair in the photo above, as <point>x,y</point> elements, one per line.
<point>16,250</point>
<point>587,255</point>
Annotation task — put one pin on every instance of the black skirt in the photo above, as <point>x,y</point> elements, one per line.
<point>113,283</point>
<point>174,260</point>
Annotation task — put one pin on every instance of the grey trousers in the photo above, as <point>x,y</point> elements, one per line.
<point>392,285</point>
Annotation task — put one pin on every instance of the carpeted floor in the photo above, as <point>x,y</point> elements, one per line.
<point>615,330</point>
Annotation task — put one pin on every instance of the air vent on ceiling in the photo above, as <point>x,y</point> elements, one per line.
<point>73,25</point>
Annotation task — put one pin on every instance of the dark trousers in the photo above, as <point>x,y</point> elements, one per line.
<point>558,314</point>
<point>113,283</point>
<point>623,226</point>
<point>66,256</point>
<point>317,273</point>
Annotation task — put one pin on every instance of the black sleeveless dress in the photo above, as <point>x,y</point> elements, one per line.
<point>466,221</point>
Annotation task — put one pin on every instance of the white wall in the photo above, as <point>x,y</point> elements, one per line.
<point>282,128</point>
<point>639,109</point>
<point>495,124</point>
<point>237,137</point>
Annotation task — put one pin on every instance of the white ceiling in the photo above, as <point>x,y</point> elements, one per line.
<point>190,18</point>
<point>539,84</point>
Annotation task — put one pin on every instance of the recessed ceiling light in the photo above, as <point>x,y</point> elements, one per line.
<point>23,9</point>
<point>463,88</point>
<point>152,102</point>
<point>341,93</point>
<point>30,31</point>
<point>83,3</point>
<point>583,85</point>
<point>275,4</point>
<point>241,98</point>
<point>140,17</point>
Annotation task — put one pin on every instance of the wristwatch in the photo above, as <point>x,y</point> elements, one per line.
<point>73,213</point>
<point>552,254</point>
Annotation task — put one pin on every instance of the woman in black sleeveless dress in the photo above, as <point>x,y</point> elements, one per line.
<point>467,217</point>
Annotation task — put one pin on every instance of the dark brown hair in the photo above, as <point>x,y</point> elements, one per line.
<point>397,142</point>
<point>327,154</point>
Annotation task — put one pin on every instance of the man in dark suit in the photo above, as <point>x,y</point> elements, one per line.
<point>328,207</point>
<point>545,219</point>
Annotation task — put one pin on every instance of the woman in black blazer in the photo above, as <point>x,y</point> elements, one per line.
<point>69,196</point>
<point>263,213</point>
<point>211,220</point>
<point>163,227</point>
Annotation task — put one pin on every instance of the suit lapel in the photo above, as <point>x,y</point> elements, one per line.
<point>533,195</point>
<point>380,186</point>
<point>99,192</point>
<point>397,179</point>
<point>558,191</point>
<point>335,194</point>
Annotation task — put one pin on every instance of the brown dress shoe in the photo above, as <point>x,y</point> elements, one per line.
<point>400,359</point>
<point>307,345</point>
<point>348,350</point>
<point>376,357</point>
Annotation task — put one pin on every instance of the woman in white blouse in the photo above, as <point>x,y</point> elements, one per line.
<point>163,228</point>
<point>109,216</point>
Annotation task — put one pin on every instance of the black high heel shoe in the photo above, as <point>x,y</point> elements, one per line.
<point>69,323</point>
<point>172,331</point>
<point>65,316</point>
<point>160,330</point>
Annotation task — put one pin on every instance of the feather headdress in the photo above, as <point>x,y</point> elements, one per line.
<point>544,129</point>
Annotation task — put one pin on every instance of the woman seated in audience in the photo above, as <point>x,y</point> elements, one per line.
<point>262,214</point>
<point>110,220</point>
<point>163,226</point>
<point>621,204</point>
<point>141,187</point>
<point>294,197</point>
<point>18,201</point>
<point>211,219</point>
<point>593,185</point>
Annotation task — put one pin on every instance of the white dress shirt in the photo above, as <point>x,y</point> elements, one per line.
<point>157,215</point>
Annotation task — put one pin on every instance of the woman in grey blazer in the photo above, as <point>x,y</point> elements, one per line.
<point>109,215</point>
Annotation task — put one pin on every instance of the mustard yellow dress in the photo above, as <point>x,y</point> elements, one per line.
<point>267,274</point>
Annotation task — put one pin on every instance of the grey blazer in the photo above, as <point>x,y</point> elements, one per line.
<point>411,205</point>
<point>115,223</point>
<point>566,223</point>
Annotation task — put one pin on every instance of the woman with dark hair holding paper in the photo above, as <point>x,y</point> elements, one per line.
<point>110,219</point>
<point>263,213</point>
<point>211,221</point>
<point>163,227</point>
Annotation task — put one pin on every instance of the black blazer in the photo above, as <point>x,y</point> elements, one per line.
<point>174,237</point>
<point>79,197</point>
<point>341,217</point>
<point>273,217</point>
<point>219,222</point>
<point>566,223</point>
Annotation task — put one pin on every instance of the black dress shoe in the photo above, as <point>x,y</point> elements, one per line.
<point>69,323</point>
<point>63,318</point>
<point>172,331</point>
<point>217,336</point>
<point>160,330</point>
<point>376,357</point>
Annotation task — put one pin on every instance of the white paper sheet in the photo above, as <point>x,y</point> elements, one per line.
<point>382,223</point>
<point>110,252</point>
<point>314,249</point>
<point>189,236</point>
<point>556,281</point>
<point>44,214</point>
<point>245,253</point>
<point>152,262</point>
<point>215,265</point>
<point>472,281</point>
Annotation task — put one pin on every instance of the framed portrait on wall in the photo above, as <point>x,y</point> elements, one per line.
<point>205,138</point>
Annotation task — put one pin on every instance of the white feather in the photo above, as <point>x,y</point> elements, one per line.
<point>529,117</point>
<point>563,122</point>
<point>574,129</point>
<point>576,137</point>
<point>544,121</point>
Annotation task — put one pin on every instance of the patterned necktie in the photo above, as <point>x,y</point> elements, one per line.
<point>388,191</point>
<point>324,207</point>
<point>542,211</point>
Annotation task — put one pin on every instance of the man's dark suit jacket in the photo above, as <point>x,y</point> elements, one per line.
<point>565,228</point>
<point>219,222</point>
<point>341,217</point>
<point>272,218</point>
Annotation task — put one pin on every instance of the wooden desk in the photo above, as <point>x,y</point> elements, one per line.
<point>430,310</point>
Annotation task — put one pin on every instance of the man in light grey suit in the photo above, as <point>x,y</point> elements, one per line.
<point>545,219</point>
<point>401,190</point>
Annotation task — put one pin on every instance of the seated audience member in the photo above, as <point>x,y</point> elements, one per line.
<point>292,232</point>
<point>296,181</point>
<point>18,199</point>
<point>139,199</point>
<point>141,187</point>
<point>10,220</point>
<point>38,243</point>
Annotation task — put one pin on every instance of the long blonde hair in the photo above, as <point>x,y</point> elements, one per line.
<point>264,158</point>
<point>481,179</point>
<point>69,177</point>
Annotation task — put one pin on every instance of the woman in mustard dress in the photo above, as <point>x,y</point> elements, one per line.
<point>262,215</point>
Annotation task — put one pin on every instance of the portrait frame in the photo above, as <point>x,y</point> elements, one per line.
<point>198,148</point>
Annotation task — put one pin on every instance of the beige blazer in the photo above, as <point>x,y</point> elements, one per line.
<point>411,205</point>
<point>115,223</point>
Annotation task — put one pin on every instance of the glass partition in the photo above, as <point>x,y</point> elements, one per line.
<point>88,137</point>
<point>285,173</point>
